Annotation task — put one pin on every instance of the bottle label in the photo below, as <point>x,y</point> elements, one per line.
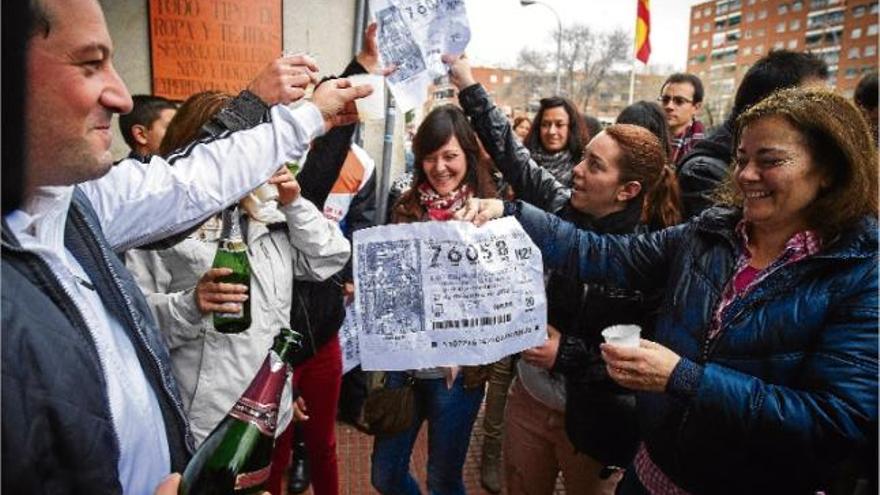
<point>263,416</point>
<point>238,315</point>
<point>252,479</point>
<point>233,246</point>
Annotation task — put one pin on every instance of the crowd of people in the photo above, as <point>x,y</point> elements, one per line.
<point>746,252</point>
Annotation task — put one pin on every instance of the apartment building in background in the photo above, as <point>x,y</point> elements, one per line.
<point>728,36</point>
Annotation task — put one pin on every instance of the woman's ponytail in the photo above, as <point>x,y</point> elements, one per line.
<point>661,207</point>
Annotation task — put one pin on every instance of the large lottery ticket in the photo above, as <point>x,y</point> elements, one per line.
<point>446,293</point>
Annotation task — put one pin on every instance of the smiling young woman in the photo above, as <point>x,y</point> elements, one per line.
<point>448,172</point>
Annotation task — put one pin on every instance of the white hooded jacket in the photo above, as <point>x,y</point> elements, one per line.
<point>213,369</point>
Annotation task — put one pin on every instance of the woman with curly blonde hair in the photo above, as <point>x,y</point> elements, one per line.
<point>762,374</point>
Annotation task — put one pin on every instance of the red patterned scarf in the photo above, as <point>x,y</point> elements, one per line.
<point>442,207</point>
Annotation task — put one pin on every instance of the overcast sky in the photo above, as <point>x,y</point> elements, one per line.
<point>501,28</point>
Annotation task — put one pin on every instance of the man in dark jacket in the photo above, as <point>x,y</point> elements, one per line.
<point>89,403</point>
<point>706,165</point>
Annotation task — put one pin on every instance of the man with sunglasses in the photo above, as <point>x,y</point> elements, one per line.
<point>681,97</point>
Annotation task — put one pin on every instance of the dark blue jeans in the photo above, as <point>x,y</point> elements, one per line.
<point>450,414</point>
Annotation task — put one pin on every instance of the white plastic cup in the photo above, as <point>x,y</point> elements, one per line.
<point>622,335</point>
<point>370,107</point>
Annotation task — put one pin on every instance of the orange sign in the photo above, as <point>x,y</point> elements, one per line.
<point>199,45</point>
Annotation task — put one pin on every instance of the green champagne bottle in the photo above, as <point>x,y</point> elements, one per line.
<point>237,455</point>
<point>232,253</point>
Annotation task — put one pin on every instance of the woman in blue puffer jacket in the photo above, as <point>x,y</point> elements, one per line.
<point>763,376</point>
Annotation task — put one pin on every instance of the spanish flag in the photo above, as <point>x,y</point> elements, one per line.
<point>643,31</point>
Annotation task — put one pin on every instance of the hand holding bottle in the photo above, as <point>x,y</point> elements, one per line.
<point>212,296</point>
<point>288,187</point>
<point>169,485</point>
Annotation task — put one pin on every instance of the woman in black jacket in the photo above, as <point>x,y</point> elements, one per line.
<point>623,185</point>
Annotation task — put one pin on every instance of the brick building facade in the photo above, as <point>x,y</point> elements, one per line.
<point>728,36</point>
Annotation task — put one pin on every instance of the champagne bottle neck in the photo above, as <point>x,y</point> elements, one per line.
<point>231,226</point>
<point>285,346</point>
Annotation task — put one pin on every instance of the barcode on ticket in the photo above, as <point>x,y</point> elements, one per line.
<point>484,321</point>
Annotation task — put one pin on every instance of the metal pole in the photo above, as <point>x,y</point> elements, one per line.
<point>526,3</point>
<point>360,23</point>
<point>632,82</point>
<point>558,52</point>
<point>384,184</point>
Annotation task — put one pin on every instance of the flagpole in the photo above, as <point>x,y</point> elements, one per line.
<point>632,71</point>
<point>632,81</point>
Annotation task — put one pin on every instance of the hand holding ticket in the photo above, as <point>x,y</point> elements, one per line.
<point>446,294</point>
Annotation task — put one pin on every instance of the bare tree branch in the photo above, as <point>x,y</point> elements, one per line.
<point>607,49</point>
<point>532,80</point>
<point>586,57</point>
